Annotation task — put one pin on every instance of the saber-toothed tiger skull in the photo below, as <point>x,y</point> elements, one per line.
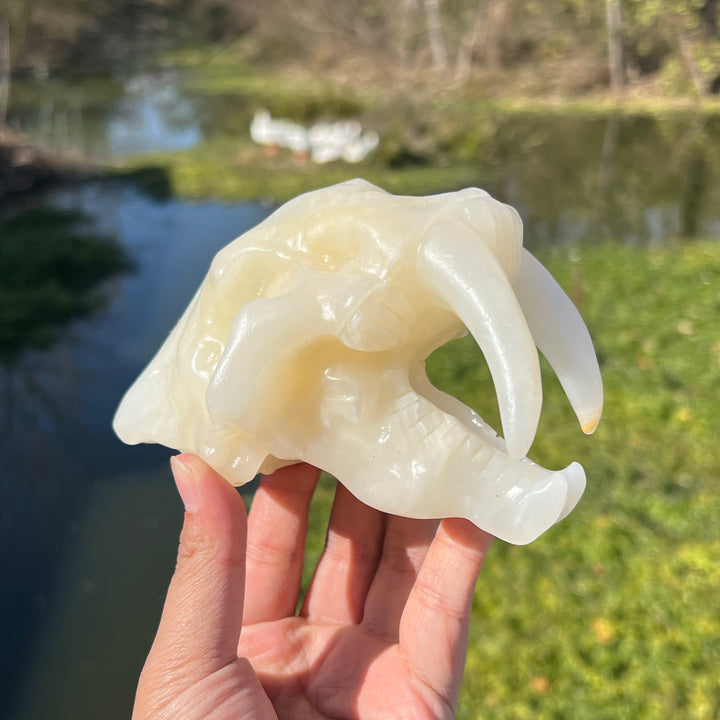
<point>307,342</point>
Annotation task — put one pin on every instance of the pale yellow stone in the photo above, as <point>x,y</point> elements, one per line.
<point>307,342</point>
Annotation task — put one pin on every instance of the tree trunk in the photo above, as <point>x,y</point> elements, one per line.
<point>405,18</point>
<point>687,55</point>
<point>438,48</point>
<point>463,63</point>
<point>615,59</point>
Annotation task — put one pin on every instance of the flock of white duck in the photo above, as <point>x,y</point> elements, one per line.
<point>323,142</point>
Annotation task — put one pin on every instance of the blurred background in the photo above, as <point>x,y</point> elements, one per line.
<point>137,137</point>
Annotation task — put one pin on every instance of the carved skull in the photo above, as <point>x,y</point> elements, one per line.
<point>307,342</point>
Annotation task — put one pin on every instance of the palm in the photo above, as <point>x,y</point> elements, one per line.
<point>376,635</point>
<point>338,673</point>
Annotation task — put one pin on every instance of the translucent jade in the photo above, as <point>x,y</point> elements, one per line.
<point>307,342</point>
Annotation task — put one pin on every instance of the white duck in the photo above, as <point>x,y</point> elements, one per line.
<point>273,133</point>
<point>325,142</point>
<point>357,150</point>
<point>343,139</point>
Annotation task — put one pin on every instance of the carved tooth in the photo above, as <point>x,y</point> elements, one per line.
<point>562,338</point>
<point>499,227</point>
<point>452,406</point>
<point>461,269</point>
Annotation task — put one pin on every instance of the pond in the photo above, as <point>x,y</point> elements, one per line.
<point>89,526</point>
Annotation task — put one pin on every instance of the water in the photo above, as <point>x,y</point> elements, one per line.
<point>88,526</point>
<point>152,116</point>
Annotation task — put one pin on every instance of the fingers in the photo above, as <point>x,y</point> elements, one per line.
<point>434,626</point>
<point>277,527</point>
<point>405,544</point>
<point>348,563</point>
<point>201,621</point>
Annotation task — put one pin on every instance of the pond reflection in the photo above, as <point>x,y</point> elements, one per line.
<point>632,179</point>
<point>51,269</point>
<point>638,179</point>
<point>108,119</point>
<point>152,116</point>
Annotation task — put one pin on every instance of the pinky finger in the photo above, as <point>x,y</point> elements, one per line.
<point>435,623</point>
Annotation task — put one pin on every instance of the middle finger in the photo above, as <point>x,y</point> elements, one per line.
<point>348,563</point>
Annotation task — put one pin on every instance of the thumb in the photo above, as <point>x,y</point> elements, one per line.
<point>202,618</point>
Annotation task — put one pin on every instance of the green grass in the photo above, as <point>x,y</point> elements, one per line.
<point>614,613</point>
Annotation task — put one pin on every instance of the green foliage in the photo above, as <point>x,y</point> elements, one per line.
<point>615,613</point>
<point>558,44</point>
<point>50,271</point>
<point>676,39</point>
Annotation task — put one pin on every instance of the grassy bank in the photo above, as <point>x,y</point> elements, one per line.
<point>230,168</point>
<point>615,613</point>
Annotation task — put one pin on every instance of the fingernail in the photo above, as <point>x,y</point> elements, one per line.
<point>184,475</point>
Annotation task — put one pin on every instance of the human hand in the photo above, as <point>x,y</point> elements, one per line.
<point>382,632</point>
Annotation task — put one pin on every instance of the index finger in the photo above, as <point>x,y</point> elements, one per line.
<point>277,527</point>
